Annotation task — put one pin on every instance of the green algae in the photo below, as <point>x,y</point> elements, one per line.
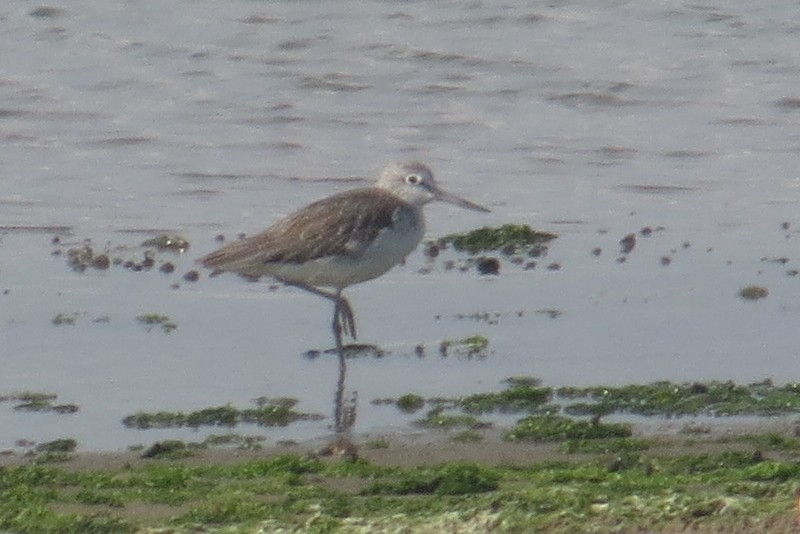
<point>33,401</point>
<point>476,346</point>
<point>275,412</point>
<point>238,441</point>
<point>672,399</point>
<point>638,491</point>
<point>554,427</point>
<point>445,479</point>
<point>410,403</point>
<point>574,416</point>
<point>595,476</point>
<point>509,238</point>
<point>29,396</point>
<point>170,448</point>
<point>518,244</point>
<point>58,445</point>
<point>157,319</point>
<point>57,450</point>
<point>518,397</point>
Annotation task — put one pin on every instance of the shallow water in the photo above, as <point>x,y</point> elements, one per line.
<point>121,121</point>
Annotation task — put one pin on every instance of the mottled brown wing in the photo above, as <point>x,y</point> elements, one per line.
<point>342,224</point>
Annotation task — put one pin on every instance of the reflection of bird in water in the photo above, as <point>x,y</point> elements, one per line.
<point>341,240</point>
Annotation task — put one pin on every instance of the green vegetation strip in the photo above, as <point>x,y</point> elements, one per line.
<point>274,412</point>
<point>677,399</point>
<point>667,399</point>
<point>570,472</point>
<point>32,401</point>
<point>629,493</point>
<point>560,415</point>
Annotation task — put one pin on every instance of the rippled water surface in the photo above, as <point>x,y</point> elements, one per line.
<point>120,121</point>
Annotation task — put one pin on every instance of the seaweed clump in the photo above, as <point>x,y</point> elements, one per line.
<point>509,239</point>
<point>268,412</point>
<point>517,243</point>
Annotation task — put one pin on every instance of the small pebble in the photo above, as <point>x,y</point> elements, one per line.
<point>753,292</point>
<point>148,261</point>
<point>101,262</point>
<point>487,265</point>
<point>508,250</point>
<point>431,250</point>
<point>537,251</point>
<point>628,243</point>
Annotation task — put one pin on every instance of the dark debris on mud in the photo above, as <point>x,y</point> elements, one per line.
<point>143,257</point>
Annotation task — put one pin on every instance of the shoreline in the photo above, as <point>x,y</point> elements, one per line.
<point>728,478</point>
<point>415,448</point>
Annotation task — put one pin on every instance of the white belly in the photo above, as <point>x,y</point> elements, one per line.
<point>389,248</point>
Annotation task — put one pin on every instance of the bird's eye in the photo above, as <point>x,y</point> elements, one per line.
<point>413,179</point>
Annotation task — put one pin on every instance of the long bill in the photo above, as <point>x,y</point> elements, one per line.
<point>450,198</point>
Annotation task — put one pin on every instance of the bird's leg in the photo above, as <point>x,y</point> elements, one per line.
<point>344,320</point>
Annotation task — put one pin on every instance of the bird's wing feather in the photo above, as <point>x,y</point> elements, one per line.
<point>342,224</point>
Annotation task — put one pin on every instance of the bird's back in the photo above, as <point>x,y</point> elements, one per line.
<point>329,241</point>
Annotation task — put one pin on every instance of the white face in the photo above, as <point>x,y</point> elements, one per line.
<point>414,183</point>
